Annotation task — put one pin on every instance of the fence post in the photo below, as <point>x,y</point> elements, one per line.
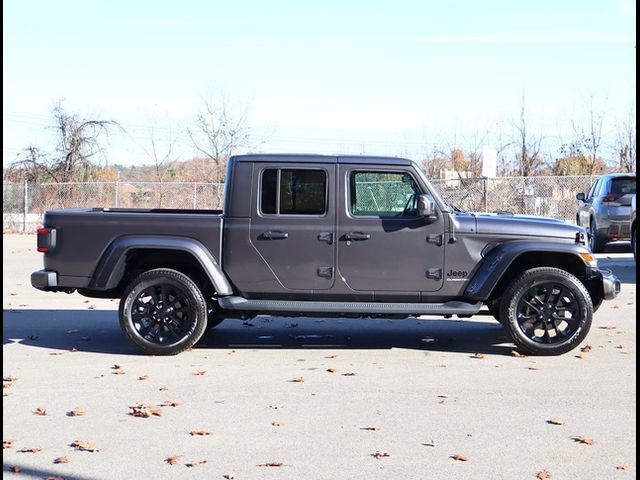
<point>25,206</point>
<point>117,191</point>
<point>484,192</point>
<point>195,195</point>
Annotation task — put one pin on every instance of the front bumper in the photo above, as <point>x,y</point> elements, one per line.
<point>44,280</point>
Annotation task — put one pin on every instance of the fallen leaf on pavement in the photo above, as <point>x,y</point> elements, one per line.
<point>332,370</point>
<point>119,372</point>
<point>8,443</point>
<point>380,454</point>
<point>555,421</point>
<point>271,464</point>
<point>331,356</point>
<point>277,424</point>
<point>532,368</point>
<point>584,440</point>
<point>195,463</point>
<point>459,458</point>
<point>145,411</point>
<point>163,389</point>
<point>517,354</point>
<point>9,379</point>
<point>478,355</point>
<point>373,428</point>
<point>84,446</point>
<point>61,460</point>
<point>229,476</point>
<point>608,327</point>
<point>170,403</point>
<point>622,467</point>
<point>276,407</point>
<point>200,373</point>
<point>143,377</point>
<point>116,366</point>
<point>30,450</point>
<point>199,433</point>
<point>40,411</point>
<point>348,374</point>
<point>543,475</point>
<point>173,459</point>
<point>580,356</point>
<point>76,412</point>
<point>586,348</point>
<point>297,380</point>
<point>432,443</point>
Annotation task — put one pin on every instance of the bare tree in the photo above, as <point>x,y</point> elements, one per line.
<point>162,159</point>
<point>78,144</point>
<point>529,157</point>
<point>218,133</point>
<point>590,138</point>
<point>625,143</point>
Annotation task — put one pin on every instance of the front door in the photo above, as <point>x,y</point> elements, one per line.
<point>383,244</point>
<point>293,224</point>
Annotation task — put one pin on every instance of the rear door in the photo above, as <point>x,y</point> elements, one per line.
<point>293,223</point>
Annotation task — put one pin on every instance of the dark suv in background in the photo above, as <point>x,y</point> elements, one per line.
<point>605,210</point>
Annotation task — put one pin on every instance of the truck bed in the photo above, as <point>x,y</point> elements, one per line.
<point>83,234</point>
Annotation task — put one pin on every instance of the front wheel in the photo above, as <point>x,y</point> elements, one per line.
<point>163,312</point>
<point>547,311</point>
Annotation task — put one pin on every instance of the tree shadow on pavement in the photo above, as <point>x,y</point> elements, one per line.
<point>98,331</point>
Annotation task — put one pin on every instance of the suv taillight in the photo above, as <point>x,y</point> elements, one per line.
<point>612,197</point>
<point>46,239</point>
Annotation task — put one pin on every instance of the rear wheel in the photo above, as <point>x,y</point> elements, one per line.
<point>163,312</point>
<point>596,242</point>
<point>547,311</point>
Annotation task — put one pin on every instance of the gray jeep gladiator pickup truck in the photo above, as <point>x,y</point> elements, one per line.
<point>312,235</point>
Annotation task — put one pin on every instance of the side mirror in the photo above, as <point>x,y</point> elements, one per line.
<point>426,206</point>
<point>581,197</point>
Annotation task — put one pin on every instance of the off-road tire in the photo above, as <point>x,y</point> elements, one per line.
<point>540,278</point>
<point>188,313</point>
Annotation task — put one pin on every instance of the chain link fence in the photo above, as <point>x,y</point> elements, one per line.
<point>23,204</point>
<point>542,196</point>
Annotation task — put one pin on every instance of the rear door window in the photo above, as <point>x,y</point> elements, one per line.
<point>293,192</point>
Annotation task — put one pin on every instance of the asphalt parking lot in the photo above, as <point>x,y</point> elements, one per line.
<point>417,392</point>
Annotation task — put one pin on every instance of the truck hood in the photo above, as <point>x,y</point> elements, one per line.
<point>524,225</point>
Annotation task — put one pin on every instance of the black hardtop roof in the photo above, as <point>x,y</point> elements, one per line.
<point>314,158</point>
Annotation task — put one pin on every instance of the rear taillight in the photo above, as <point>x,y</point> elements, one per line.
<point>46,239</point>
<point>612,197</point>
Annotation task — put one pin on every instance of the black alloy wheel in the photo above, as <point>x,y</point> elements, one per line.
<point>163,312</point>
<point>546,311</point>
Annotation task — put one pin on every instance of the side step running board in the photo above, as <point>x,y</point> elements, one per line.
<point>453,307</point>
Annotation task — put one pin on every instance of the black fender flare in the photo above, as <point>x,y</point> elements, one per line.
<point>111,266</point>
<point>498,259</point>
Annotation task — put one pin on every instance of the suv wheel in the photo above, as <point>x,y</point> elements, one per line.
<point>596,242</point>
<point>547,311</point>
<point>163,312</point>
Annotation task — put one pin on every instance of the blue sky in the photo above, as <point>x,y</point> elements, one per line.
<point>333,76</point>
